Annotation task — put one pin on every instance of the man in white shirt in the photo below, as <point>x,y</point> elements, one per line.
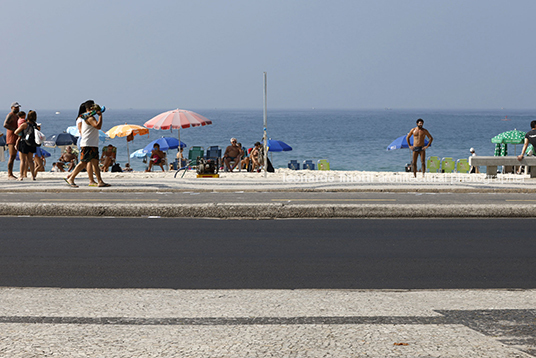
<point>90,147</point>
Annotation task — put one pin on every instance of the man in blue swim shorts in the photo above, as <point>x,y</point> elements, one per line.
<point>418,147</point>
<point>231,153</point>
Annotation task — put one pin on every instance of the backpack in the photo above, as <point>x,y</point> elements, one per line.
<point>116,168</point>
<point>28,135</point>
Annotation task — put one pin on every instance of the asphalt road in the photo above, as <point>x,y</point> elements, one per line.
<point>192,197</point>
<point>315,253</point>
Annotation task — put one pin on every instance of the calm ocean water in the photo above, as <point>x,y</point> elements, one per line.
<point>349,139</point>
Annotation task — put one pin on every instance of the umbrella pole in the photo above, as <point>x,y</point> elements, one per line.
<point>128,154</point>
<point>265,125</point>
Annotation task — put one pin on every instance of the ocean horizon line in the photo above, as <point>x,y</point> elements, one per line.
<point>400,109</point>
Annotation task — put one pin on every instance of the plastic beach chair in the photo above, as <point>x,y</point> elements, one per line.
<point>308,164</point>
<point>462,166</point>
<point>294,165</point>
<point>433,164</point>
<point>214,153</point>
<point>323,164</point>
<point>447,165</point>
<point>195,153</point>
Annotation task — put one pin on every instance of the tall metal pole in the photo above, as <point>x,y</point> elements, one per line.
<point>265,125</point>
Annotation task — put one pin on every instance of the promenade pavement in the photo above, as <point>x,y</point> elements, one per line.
<point>49,322</point>
<point>283,181</point>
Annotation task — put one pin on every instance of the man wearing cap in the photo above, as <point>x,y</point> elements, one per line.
<point>473,168</point>
<point>232,152</point>
<point>10,124</point>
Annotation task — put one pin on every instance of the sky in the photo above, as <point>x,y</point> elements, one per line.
<point>211,54</point>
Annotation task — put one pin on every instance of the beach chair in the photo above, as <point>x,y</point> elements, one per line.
<point>308,164</point>
<point>323,164</point>
<point>214,153</point>
<point>448,165</point>
<point>194,153</point>
<point>232,163</point>
<point>433,164</point>
<point>294,165</point>
<point>462,166</point>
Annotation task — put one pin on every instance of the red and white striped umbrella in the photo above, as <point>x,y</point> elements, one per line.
<point>177,119</point>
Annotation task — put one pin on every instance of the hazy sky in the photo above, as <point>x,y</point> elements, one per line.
<point>204,54</point>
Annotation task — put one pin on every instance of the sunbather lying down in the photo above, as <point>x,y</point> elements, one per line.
<point>157,158</point>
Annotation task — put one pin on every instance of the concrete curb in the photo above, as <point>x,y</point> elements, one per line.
<point>268,211</point>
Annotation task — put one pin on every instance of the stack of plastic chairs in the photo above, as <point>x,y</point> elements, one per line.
<point>433,164</point>
<point>294,165</point>
<point>214,153</point>
<point>462,166</point>
<point>308,164</point>
<point>448,165</point>
<point>194,153</point>
<point>323,164</point>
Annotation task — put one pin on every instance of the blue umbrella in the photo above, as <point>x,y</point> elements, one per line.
<point>60,139</point>
<point>165,143</point>
<point>73,130</point>
<point>139,154</point>
<point>40,152</point>
<point>401,142</point>
<point>278,146</point>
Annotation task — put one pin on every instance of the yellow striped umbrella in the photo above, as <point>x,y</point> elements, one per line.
<point>125,130</point>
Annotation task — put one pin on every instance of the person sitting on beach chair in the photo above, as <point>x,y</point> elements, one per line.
<point>180,161</point>
<point>233,153</point>
<point>108,157</point>
<point>67,157</point>
<point>157,157</point>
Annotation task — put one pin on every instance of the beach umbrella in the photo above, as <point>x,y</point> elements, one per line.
<point>509,137</point>
<point>40,152</point>
<point>177,119</point>
<point>278,146</point>
<point>61,140</point>
<point>401,142</point>
<point>139,154</point>
<point>125,130</point>
<point>165,144</point>
<point>73,130</point>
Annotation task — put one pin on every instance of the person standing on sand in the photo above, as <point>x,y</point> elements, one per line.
<point>90,147</point>
<point>418,147</point>
<point>10,124</point>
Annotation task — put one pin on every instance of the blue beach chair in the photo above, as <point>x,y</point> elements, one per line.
<point>294,165</point>
<point>308,164</point>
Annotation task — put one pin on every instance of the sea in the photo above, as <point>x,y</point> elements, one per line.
<point>348,139</point>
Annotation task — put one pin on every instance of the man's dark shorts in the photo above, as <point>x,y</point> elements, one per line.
<point>89,153</point>
<point>417,149</point>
